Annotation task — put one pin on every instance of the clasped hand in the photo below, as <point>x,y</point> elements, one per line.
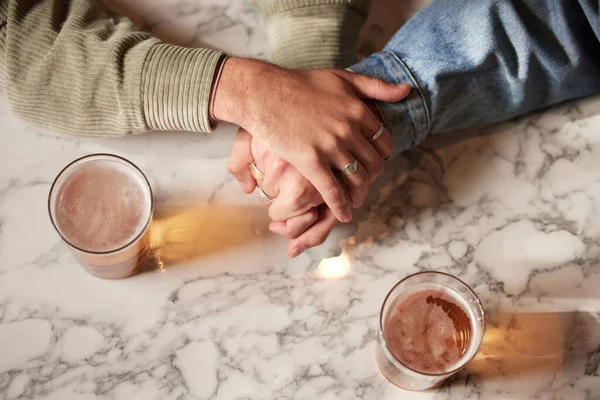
<point>316,140</point>
<point>297,210</point>
<point>317,121</point>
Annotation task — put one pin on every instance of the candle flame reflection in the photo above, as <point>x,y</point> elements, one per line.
<point>334,267</point>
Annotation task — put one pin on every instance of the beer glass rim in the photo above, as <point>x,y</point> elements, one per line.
<point>395,359</point>
<point>128,163</point>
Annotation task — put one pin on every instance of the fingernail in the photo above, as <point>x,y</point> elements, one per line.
<point>347,216</point>
<point>402,85</point>
<point>297,251</point>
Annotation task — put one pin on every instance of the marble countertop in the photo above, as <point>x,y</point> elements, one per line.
<point>513,210</point>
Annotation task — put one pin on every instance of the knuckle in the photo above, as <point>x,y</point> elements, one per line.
<point>331,144</point>
<point>337,199</point>
<point>356,108</point>
<point>297,203</point>
<point>278,167</point>
<point>274,214</point>
<point>302,227</point>
<point>388,150</point>
<point>233,167</point>
<point>298,196</point>
<point>319,239</point>
<point>345,129</point>
<point>387,144</point>
<point>392,148</point>
<point>337,195</point>
<point>305,189</point>
<point>291,232</point>
<point>362,113</point>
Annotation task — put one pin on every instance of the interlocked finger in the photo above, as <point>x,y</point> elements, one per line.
<point>294,227</point>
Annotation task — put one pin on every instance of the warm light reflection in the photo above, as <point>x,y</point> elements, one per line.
<point>334,267</point>
<point>525,344</point>
<point>181,235</point>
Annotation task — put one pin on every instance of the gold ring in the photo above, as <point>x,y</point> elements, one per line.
<point>379,133</point>
<point>256,174</point>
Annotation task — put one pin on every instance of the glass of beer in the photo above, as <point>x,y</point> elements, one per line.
<point>430,326</point>
<point>101,206</point>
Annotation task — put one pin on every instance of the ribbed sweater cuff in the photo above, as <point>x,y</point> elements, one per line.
<point>176,86</point>
<point>320,36</point>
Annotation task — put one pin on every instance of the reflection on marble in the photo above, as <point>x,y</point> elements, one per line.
<point>512,210</point>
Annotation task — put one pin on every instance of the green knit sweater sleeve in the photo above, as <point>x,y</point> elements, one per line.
<point>69,66</point>
<point>314,33</point>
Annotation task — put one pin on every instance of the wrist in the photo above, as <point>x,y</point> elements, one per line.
<point>213,90</point>
<point>237,89</point>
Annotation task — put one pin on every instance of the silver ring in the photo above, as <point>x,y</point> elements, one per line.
<point>351,168</point>
<point>256,173</point>
<point>379,133</point>
<point>265,197</point>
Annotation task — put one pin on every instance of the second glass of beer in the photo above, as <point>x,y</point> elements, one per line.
<point>101,206</point>
<point>430,326</point>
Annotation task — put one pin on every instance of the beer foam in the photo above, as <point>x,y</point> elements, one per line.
<point>428,331</point>
<point>101,205</point>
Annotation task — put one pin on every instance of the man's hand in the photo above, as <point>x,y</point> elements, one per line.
<point>297,210</point>
<point>314,119</point>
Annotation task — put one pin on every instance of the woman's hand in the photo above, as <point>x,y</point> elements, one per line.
<point>313,119</point>
<point>297,211</point>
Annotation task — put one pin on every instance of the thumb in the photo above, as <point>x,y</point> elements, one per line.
<point>240,159</point>
<point>367,87</point>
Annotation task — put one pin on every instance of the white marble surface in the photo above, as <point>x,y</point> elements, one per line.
<point>515,213</point>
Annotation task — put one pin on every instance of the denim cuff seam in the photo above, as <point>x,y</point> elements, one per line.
<point>416,85</point>
<point>409,119</point>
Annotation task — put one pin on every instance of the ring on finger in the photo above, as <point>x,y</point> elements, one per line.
<point>256,174</point>
<point>376,135</point>
<point>351,168</point>
<point>265,197</point>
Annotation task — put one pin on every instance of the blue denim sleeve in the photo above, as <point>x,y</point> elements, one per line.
<point>473,62</point>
